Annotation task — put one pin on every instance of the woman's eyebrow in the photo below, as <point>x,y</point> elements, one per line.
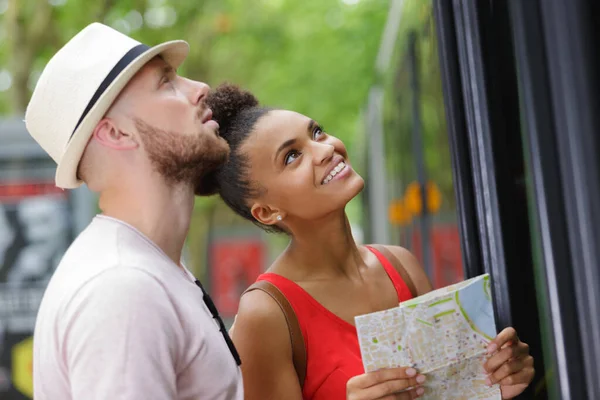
<point>283,146</point>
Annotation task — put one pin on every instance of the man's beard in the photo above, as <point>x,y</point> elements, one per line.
<point>183,158</point>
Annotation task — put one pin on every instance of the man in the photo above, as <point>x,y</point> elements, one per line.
<point>122,318</point>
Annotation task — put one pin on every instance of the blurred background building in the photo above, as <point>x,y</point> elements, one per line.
<point>473,122</point>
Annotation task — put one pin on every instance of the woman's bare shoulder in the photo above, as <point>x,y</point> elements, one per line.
<point>259,312</point>
<point>262,338</point>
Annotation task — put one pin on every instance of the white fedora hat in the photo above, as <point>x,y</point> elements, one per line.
<point>78,86</point>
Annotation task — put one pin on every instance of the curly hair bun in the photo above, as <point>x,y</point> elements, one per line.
<point>208,185</point>
<point>227,101</point>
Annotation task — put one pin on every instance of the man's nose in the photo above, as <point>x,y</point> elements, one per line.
<point>196,91</point>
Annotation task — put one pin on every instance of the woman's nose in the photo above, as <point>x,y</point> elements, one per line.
<point>323,152</point>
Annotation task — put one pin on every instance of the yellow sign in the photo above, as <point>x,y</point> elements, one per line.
<point>414,202</point>
<point>22,367</point>
<point>398,214</point>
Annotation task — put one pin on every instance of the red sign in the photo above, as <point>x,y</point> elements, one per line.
<point>18,191</point>
<point>235,265</point>
<point>445,254</point>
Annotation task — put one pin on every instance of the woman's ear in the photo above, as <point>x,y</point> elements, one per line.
<point>266,215</point>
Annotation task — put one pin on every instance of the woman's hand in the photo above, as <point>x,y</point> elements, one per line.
<point>385,385</point>
<point>510,364</point>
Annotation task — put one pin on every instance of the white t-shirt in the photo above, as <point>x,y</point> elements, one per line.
<point>120,320</point>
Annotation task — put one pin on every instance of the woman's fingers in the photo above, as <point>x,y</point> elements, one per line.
<point>501,357</point>
<point>384,383</point>
<point>392,387</point>
<point>524,376</point>
<point>407,375</point>
<point>512,371</point>
<point>508,334</point>
<point>412,394</point>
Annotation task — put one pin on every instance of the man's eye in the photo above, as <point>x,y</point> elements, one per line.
<point>291,157</point>
<point>167,80</point>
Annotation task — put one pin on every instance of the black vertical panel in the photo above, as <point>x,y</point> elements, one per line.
<point>471,60</point>
<point>509,169</point>
<point>550,215</point>
<point>490,112</point>
<point>572,51</point>
<point>459,143</point>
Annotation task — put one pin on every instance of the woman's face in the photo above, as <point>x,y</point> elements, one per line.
<point>305,171</point>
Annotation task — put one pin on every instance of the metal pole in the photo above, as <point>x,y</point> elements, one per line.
<point>377,184</point>
<point>378,198</point>
<point>418,154</point>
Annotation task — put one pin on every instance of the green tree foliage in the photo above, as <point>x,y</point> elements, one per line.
<point>313,56</point>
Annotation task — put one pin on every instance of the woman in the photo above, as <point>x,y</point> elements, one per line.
<point>287,175</point>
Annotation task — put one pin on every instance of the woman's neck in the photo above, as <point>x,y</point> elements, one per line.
<point>322,250</point>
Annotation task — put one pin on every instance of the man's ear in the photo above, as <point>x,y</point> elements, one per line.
<point>108,134</point>
<point>266,215</point>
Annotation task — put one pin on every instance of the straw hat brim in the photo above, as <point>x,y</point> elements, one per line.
<point>173,52</point>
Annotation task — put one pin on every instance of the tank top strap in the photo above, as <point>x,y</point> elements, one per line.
<point>294,294</point>
<point>401,287</point>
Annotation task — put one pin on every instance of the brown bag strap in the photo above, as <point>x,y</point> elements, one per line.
<point>298,348</point>
<point>398,266</point>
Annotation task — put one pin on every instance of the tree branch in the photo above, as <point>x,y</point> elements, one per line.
<point>40,25</point>
<point>19,55</point>
<point>103,10</point>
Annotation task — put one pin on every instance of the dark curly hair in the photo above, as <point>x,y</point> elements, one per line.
<point>237,111</point>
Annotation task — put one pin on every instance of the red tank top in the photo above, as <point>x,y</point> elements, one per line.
<point>332,350</point>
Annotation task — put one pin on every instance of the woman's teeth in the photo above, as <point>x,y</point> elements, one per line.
<point>334,172</point>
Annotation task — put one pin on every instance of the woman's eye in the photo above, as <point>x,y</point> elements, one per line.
<point>318,133</point>
<point>291,157</point>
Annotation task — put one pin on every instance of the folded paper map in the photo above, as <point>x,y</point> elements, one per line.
<point>443,334</point>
